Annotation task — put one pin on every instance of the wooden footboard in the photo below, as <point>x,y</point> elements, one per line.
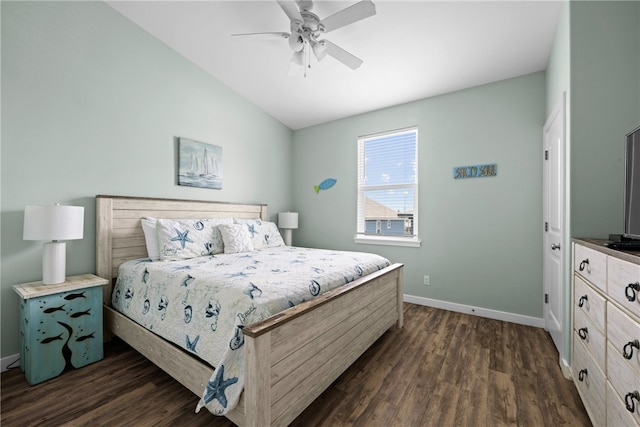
<point>291,357</point>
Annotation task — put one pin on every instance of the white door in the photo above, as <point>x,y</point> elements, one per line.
<point>554,225</point>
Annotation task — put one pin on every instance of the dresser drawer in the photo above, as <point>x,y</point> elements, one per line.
<point>623,334</point>
<point>589,302</point>
<point>617,413</point>
<point>592,265</point>
<point>590,381</point>
<point>623,378</point>
<point>590,337</point>
<point>624,284</point>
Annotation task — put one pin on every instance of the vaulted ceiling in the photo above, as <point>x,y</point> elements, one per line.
<point>410,50</point>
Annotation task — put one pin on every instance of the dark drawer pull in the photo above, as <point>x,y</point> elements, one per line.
<point>582,374</point>
<point>582,300</point>
<point>633,287</point>
<point>583,333</point>
<point>628,400</point>
<point>585,264</point>
<point>631,345</point>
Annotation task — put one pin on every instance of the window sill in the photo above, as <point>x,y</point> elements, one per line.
<point>409,242</point>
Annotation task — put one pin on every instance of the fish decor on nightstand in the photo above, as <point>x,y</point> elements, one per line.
<point>67,340</point>
<point>325,185</point>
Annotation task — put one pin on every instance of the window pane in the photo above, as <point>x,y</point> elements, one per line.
<point>389,212</point>
<point>387,184</point>
<point>390,160</point>
<point>389,203</point>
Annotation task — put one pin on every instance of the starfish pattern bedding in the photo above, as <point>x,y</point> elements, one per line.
<point>202,304</point>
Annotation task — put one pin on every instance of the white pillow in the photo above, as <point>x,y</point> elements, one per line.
<point>264,234</point>
<point>236,238</point>
<point>151,238</point>
<point>189,238</point>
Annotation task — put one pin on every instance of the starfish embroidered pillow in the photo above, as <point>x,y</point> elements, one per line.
<point>263,234</point>
<point>189,238</point>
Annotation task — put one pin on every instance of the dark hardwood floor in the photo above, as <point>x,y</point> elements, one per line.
<point>441,369</point>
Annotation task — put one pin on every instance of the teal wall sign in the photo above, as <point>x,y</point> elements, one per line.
<point>477,171</point>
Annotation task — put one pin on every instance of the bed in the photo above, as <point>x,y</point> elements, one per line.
<point>282,375</point>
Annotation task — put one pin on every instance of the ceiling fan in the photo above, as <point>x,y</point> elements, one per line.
<point>307,28</point>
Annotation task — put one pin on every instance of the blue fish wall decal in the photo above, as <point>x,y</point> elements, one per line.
<point>325,185</point>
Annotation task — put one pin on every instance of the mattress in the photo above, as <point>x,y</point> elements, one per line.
<point>202,304</point>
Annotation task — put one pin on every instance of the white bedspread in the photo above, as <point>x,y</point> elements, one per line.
<point>202,304</point>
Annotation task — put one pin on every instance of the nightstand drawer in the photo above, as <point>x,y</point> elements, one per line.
<point>60,331</point>
<point>592,265</point>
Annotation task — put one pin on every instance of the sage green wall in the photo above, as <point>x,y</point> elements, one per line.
<point>559,68</point>
<point>91,104</point>
<point>481,238</point>
<point>605,105</point>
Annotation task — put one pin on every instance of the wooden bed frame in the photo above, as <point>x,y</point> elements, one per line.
<point>283,375</point>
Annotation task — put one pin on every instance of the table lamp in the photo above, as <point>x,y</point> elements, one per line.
<point>288,221</point>
<point>53,223</point>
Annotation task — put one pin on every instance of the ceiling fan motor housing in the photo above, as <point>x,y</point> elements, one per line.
<point>307,31</point>
<point>306,28</point>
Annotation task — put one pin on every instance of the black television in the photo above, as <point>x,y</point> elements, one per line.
<point>632,186</point>
<point>630,240</point>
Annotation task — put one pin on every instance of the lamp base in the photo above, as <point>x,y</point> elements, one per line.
<point>287,236</point>
<point>54,262</point>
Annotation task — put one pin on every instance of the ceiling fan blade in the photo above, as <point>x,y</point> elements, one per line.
<point>264,36</point>
<point>354,13</point>
<point>291,9</point>
<point>341,55</point>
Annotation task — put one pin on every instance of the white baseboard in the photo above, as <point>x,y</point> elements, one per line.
<point>537,322</point>
<point>12,361</point>
<point>566,369</point>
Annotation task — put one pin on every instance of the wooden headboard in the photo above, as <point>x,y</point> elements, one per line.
<point>119,236</point>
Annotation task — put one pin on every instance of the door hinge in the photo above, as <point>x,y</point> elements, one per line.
<point>546,154</point>
<point>546,226</point>
<point>546,298</point>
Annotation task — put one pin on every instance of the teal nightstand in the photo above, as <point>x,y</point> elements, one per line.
<point>60,326</point>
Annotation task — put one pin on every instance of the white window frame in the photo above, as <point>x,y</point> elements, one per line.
<point>407,241</point>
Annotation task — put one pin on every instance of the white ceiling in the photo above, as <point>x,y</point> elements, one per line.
<point>411,50</point>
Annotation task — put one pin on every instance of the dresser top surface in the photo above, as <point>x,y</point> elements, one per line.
<point>598,245</point>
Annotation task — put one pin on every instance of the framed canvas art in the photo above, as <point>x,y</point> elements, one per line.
<point>200,164</point>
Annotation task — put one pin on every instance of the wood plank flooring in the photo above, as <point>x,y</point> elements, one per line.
<point>442,369</point>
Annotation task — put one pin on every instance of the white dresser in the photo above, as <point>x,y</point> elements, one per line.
<point>606,332</point>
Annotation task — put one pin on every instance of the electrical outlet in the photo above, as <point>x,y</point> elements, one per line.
<point>427,280</point>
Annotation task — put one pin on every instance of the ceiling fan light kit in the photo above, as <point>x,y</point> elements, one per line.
<point>306,27</point>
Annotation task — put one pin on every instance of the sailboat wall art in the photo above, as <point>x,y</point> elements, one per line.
<point>200,164</point>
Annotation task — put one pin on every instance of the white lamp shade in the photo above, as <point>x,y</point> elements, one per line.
<point>53,222</point>
<point>288,220</point>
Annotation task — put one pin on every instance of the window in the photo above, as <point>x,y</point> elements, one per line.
<point>388,188</point>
